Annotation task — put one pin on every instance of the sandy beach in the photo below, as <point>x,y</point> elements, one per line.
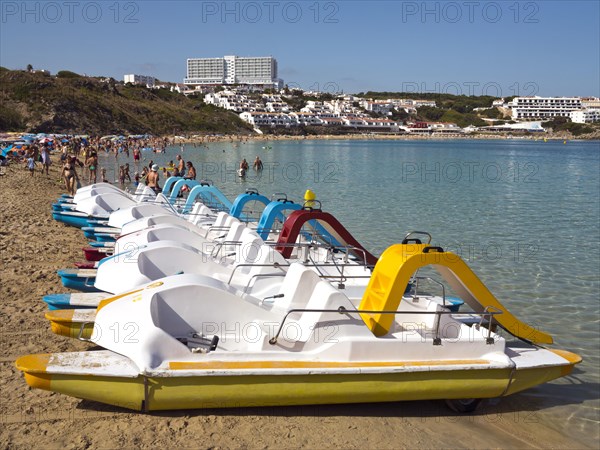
<point>561,136</point>
<point>33,246</point>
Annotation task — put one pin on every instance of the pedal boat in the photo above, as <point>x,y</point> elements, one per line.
<point>190,341</point>
<point>169,248</point>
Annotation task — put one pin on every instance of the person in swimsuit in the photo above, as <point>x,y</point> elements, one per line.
<point>180,166</point>
<point>92,164</point>
<point>69,175</point>
<point>152,179</point>
<point>258,164</point>
<point>243,168</point>
<point>126,173</point>
<point>122,174</point>
<point>191,171</point>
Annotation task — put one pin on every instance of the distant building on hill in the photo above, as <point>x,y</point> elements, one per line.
<point>587,115</point>
<point>590,102</point>
<point>530,108</point>
<point>139,79</point>
<point>254,70</point>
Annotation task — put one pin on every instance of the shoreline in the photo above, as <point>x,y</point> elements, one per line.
<point>208,138</point>
<point>369,137</point>
<point>33,246</point>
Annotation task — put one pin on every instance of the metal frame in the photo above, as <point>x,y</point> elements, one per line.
<point>436,341</point>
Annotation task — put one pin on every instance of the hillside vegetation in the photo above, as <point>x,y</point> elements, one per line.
<point>71,103</point>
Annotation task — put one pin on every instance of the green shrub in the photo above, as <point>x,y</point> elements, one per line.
<point>67,74</point>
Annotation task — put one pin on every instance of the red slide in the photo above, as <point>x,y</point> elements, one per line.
<point>296,220</point>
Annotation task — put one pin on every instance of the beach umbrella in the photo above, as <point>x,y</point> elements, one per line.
<point>7,150</point>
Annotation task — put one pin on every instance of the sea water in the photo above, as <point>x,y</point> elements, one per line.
<point>523,214</point>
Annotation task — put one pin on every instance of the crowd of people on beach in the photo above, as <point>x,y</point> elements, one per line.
<point>79,158</point>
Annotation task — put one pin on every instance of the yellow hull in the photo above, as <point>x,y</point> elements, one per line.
<point>63,324</point>
<point>72,329</point>
<point>166,393</point>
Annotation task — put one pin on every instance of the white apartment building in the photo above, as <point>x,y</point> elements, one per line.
<point>380,107</point>
<point>258,71</point>
<point>277,107</point>
<point>306,118</point>
<point>139,79</point>
<point>233,101</point>
<point>590,102</point>
<point>586,115</point>
<point>419,103</point>
<point>264,119</point>
<point>529,108</point>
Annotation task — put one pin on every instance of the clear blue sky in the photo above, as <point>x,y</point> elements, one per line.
<point>495,47</point>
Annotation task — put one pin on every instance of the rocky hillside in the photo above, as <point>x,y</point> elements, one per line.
<point>70,103</point>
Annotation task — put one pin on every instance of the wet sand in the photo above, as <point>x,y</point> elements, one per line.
<point>33,247</point>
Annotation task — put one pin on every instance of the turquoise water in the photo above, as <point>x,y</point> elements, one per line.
<point>523,214</point>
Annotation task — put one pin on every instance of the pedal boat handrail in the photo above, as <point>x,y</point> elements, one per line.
<point>436,341</point>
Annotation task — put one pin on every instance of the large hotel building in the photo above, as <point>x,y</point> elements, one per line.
<point>530,108</point>
<point>258,71</point>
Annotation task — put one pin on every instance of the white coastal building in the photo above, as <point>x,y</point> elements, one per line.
<point>277,107</point>
<point>306,118</point>
<point>255,70</point>
<point>139,79</point>
<point>530,108</point>
<point>266,119</point>
<point>587,115</point>
<point>590,102</point>
<point>377,106</point>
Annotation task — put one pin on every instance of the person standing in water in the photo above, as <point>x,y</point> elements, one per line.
<point>191,171</point>
<point>180,166</point>
<point>243,168</point>
<point>258,164</point>
<point>126,173</point>
<point>152,179</point>
<point>92,164</point>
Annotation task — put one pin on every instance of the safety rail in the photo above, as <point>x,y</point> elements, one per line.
<point>220,244</point>
<point>207,216</point>
<point>436,341</point>
<point>340,269</point>
<point>490,310</point>
<point>250,216</point>
<point>416,285</point>
<point>82,329</point>
<point>407,240</point>
<point>277,265</point>
<point>217,228</point>
<point>332,248</point>
<point>269,230</point>
<point>310,205</point>
<point>280,197</point>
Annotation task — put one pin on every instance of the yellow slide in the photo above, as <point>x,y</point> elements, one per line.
<point>397,265</point>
